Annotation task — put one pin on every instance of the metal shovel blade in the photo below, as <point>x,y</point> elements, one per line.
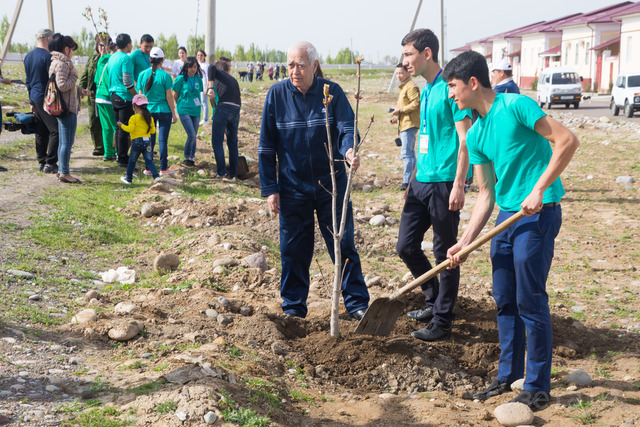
<point>381,317</point>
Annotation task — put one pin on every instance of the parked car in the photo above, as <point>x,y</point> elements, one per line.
<point>626,94</point>
<point>559,85</point>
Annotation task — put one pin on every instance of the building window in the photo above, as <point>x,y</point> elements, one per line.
<point>629,38</point>
<point>587,52</point>
<point>577,53</point>
<point>566,55</point>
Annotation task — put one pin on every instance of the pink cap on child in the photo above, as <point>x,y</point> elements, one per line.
<point>140,99</point>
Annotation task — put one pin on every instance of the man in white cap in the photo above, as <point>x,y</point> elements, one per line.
<point>501,77</point>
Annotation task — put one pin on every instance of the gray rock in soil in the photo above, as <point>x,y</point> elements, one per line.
<point>518,385</point>
<point>152,209</point>
<point>91,295</point>
<point>223,301</point>
<point>210,417</point>
<point>578,377</point>
<point>146,355</point>
<point>377,220</point>
<point>85,316</point>
<point>20,273</point>
<point>224,262</point>
<point>35,297</point>
<point>166,262</point>
<point>211,313</point>
<point>624,179</point>
<point>182,416</point>
<point>246,311</point>
<point>126,330</point>
<point>224,319</point>
<point>125,308</point>
<point>514,414</point>
<point>257,260</point>
<point>279,348</point>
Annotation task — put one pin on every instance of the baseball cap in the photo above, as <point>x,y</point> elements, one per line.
<point>156,52</point>
<point>503,65</point>
<point>140,99</point>
<point>44,33</point>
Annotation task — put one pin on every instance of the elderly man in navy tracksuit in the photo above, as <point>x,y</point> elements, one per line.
<point>295,171</point>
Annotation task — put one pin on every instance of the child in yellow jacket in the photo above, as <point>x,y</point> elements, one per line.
<point>140,126</point>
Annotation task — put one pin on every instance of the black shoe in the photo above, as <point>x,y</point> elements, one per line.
<point>3,169</point>
<point>110,159</point>
<point>533,399</point>
<point>41,167</point>
<point>123,165</point>
<point>495,388</point>
<point>50,169</point>
<point>357,315</point>
<point>402,187</point>
<point>189,163</point>
<point>431,332</point>
<point>422,315</point>
<point>97,153</point>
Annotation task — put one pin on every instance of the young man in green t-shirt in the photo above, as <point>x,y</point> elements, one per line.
<point>510,142</point>
<point>140,56</point>
<point>436,190</point>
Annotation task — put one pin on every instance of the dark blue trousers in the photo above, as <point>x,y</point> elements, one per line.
<point>521,257</point>
<point>296,247</point>
<point>427,205</point>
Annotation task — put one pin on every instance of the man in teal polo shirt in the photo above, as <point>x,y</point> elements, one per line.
<point>436,191</point>
<point>510,142</point>
<point>122,89</point>
<point>140,56</point>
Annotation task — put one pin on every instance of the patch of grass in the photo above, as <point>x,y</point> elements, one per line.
<point>98,385</point>
<point>245,417</point>
<point>161,367</point>
<point>146,388</point>
<point>32,313</point>
<point>602,372</point>
<point>166,407</point>
<point>234,351</point>
<point>300,396</point>
<point>584,416</point>
<point>98,417</point>
<point>135,365</point>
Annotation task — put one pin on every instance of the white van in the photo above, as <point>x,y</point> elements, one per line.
<point>559,85</point>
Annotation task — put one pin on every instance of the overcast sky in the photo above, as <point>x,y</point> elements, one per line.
<point>374,28</point>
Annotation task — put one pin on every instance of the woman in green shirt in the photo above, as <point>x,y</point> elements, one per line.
<point>186,91</point>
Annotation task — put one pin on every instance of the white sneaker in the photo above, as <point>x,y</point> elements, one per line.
<point>203,122</point>
<point>158,179</point>
<point>124,180</point>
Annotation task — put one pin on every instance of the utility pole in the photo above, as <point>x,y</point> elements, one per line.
<point>12,27</point>
<point>442,33</point>
<point>413,25</point>
<point>50,15</point>
<point>210,33</point>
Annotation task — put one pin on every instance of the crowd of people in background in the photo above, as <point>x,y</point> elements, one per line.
<point>276,71</point>
<point>126,90</point>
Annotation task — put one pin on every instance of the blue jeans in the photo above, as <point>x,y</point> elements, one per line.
<point>521,257</point>
<point>427,205</point>
<point>190,125</point>
<point>66,135</point>
<point>225,120</point>
<point>140,146</point>
<point>296,248</point>
<point>408,152</point>
<point>163,126</point>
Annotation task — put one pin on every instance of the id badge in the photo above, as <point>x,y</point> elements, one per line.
<point>146,139</point>
<point>423,144</point>
<point>196,101</point>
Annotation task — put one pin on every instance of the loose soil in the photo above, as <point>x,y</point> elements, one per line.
<point>201,365</point>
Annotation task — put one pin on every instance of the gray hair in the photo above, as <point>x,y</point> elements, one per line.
<point>312,53</point>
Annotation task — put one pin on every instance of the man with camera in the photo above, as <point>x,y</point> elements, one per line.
<point>408,119</point>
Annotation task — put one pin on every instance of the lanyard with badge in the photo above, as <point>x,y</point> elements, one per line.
<point>423,144</point>
<point>192,90</point>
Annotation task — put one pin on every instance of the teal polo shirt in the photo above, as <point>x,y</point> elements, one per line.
<point>506,137</point>
<point>438,142</point>
<point>118,64</point>
<point>140,63</point>
<point>157,94</point>
<point>189,90</point>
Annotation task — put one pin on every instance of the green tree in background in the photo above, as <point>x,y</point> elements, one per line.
<point>86,42</point>
<point>193,44</point>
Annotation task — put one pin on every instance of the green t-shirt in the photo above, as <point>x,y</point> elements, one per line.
<point>118,64</point>
<point>140,63</point>
<point>506,137</point>
<point>157,94</point>
<point>189,91</point>
<point>438,142</point>
<point>101,78</point>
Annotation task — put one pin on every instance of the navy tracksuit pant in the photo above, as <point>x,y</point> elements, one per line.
<point>427,205</point>
<point>296,248</point>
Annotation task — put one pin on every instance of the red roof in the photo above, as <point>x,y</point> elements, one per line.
<point>604,14</point>
<point>514,33</point>
<point>548,26</point>
<point>514,54</point>
<point>627,10</point>
<point>552,52</point>
<point>461,49</point>
<point>606,44</point>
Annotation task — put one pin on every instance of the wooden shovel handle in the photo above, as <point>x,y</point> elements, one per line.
<point>481,240</point>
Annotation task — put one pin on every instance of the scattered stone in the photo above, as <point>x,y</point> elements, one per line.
<point>85,316</point>
<point>246,311</point>
<point>514,414</point>
<point>625,180</point>
<point>578,377</point>
<point>257,260</point>
<point>52,389</point>
<point>4,419</point>
<point>224,319</point>
<point>124,331</point>
<point>166,262</point>
<point>280,348</point>
<point>572,388</point>
<point>566,351</point>
<point>385,396</point>
<point>485,415</point>
<point>182,416</point>
<point>87,394</point>
<point>224,262</point>
<point>367,188</point>
<point>152,209</point>
<point>20,273</point>
<point>92,294</point>
<point>35,297</point>
<point>227,246</point>
<point>377,220</point>
<point>577,308</point>
<point>162,187</point>
<point>211,313</point>
<point>604,119</point>
<point>146,355</point>
<point>373,281</point>
<point>518,385</point>
<point>210,417</point>
<point>223,301</point>
<point>125,308</point>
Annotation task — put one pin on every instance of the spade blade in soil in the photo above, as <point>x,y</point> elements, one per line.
<point>381,317</point>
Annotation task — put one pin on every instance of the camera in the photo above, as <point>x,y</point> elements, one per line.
<point>391,109</point>
<point>24,123</point>
<point>398,142</point>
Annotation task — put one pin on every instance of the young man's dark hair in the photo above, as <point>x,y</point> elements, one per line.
<point>58,42</point>
<point>223,65</point>
<point>399,65</point>
<point>421,39</point>
<point>466,65</point>
<point>146,38</point>
<point>123,40</point>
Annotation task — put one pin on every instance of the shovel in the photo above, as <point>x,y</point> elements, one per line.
<point>382,314</point>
